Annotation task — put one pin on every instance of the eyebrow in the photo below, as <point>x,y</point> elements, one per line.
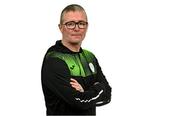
<point>76,21</point>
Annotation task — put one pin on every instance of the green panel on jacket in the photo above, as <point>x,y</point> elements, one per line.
<point>79,64</point>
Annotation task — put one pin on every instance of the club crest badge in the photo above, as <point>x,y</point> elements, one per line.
<point>91,66</point>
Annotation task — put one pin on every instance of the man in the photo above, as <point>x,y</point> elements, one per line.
<point>72,80</point>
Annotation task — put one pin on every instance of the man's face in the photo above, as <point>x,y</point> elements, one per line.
<point>75,35</point>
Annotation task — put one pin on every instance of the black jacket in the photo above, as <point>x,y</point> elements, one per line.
<point>60,97</point>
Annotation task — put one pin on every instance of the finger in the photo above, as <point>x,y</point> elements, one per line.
<point>76,87</point>
<point>73,80</point>
<point>73,83</point>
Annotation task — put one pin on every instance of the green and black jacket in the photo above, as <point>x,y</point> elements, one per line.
<point>59,65</point>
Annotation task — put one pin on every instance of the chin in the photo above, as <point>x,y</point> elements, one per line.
<point>76,40</point>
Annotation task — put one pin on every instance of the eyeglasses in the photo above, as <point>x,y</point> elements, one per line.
<point>72,24</point>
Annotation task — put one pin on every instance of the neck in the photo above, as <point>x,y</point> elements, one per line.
<point>75,47</point>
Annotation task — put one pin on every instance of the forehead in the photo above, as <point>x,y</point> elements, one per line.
<point>74,16</point>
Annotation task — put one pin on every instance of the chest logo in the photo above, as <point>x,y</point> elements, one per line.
<point>91,66</point>
<point>72,67</point>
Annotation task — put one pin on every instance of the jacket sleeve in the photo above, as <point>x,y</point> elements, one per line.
<point>106,96</point>
<point>56,77</point>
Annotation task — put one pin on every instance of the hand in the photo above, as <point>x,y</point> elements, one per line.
<point>76,85</point>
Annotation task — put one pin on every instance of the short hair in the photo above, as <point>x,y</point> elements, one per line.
<point>72,7</point>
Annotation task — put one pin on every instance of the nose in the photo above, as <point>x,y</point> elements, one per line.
<point>76,28</point>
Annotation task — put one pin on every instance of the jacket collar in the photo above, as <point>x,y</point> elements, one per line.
<point>60,47</point>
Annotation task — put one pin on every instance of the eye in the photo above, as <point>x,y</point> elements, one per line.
<point>70,23</point>
<point>82,23</point>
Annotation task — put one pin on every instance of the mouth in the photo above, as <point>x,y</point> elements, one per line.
<point>75,34</point>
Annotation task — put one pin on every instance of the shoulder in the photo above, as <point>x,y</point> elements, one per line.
<point>54,62</point>
<point>88,53</point>
<point>53,58</point>
<point>53,54</point>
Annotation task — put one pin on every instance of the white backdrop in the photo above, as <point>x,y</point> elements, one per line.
<point>136,42</point>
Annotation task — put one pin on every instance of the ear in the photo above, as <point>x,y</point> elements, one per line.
<point>60,27</point>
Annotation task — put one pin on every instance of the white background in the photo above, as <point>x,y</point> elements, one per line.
<point>136,42</point>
